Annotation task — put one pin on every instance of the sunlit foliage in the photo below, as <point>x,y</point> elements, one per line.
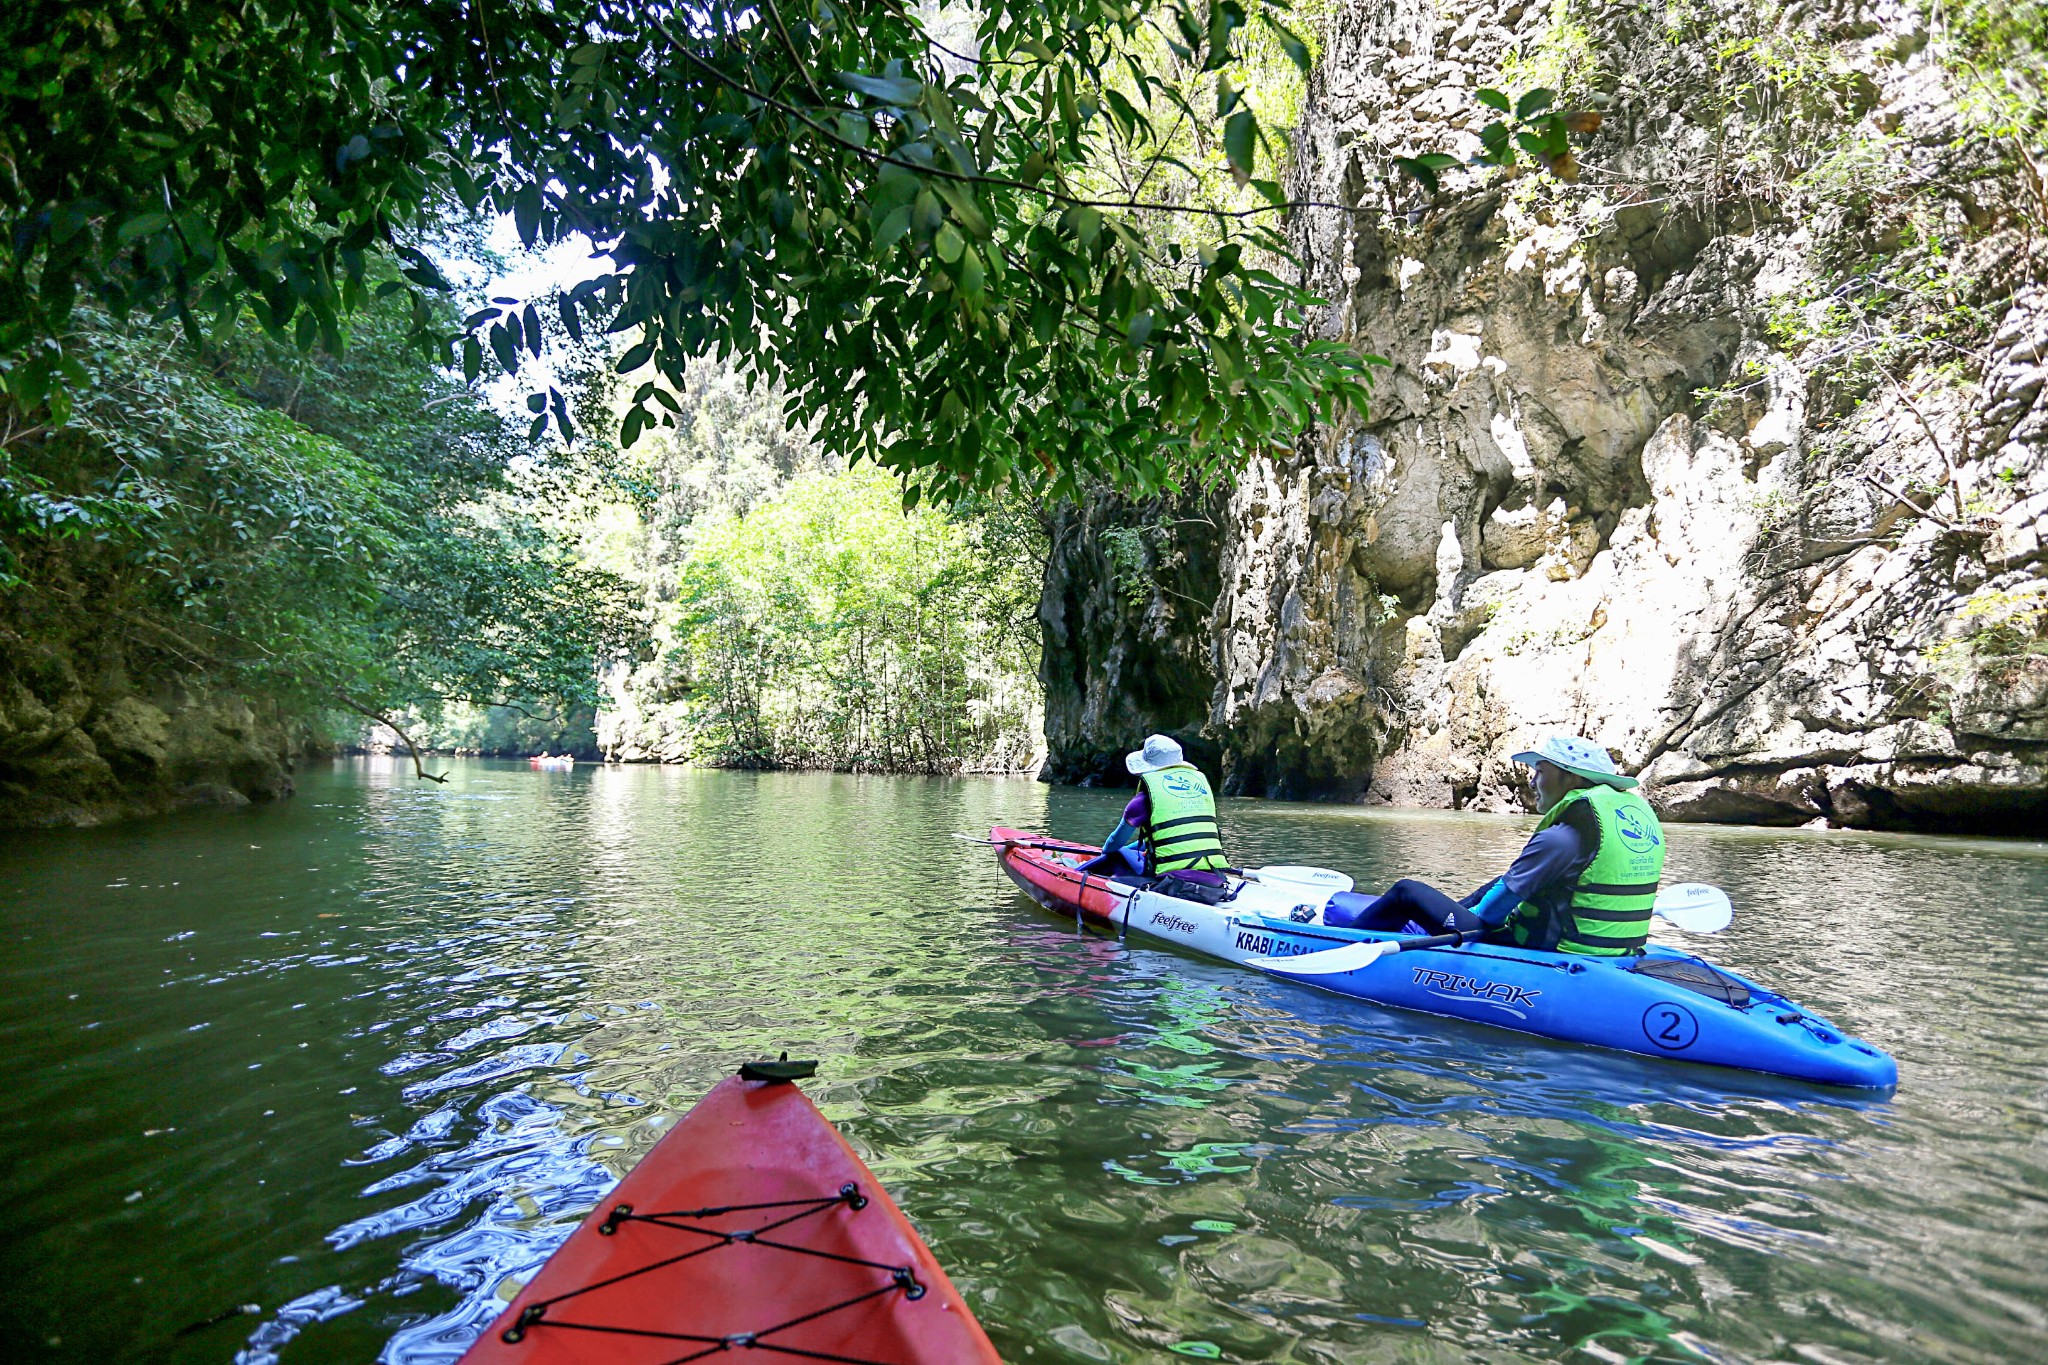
<point>913,245</point>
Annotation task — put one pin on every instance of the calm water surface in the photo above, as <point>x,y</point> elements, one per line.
<point>358,1061</point>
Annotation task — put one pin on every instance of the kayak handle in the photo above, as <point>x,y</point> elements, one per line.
<point>780,1072</point>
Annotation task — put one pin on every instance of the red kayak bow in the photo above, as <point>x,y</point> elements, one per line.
<point>753,1227</point>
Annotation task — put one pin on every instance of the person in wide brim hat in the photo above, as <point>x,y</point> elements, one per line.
<point>1580,758</point>
<point>1584,883</point>
<point>1169,828</point>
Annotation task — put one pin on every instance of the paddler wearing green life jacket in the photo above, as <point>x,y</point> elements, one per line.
<point>1170,825</point>
<point>1584,883</point>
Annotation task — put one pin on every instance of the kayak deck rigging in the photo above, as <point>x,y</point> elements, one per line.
<point>750,1227</point>
<point>534,1315</point>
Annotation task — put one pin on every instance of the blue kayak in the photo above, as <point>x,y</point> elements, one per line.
<point>1664,1003</point>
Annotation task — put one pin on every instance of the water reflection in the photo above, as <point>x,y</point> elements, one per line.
<point>365,1058</point>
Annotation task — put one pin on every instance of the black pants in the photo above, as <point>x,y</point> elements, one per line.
<point>1419,901</point>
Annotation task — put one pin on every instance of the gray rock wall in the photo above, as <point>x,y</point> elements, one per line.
<point>81,743</point>
<point>1732,456</point>
<point>1125,620</point>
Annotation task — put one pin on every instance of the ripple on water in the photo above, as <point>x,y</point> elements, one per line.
<point>479,1014</point>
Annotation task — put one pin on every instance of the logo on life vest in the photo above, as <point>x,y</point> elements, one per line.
<point>1635,831</point>
<point>1181,783</point>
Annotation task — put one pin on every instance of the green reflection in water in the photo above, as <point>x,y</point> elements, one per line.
<point>362,1057</point>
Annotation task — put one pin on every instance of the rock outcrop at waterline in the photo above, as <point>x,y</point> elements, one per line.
<point>1733,455</point>
<point>81,744</point>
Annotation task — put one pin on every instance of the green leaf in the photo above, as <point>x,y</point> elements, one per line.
<point>636,357</point>
<point>889,89</point>
<point>1086,223</point>
<point>895,227</point>
<point>1533,103</point>
<point>1415,170</point>
<point>969,215</point>
<point>472,359</point>
<point>142,225</point>
<point>572,319</point>
<point>526,213</point>
<point>1494,99</point>
<point>506,346</point>
<point>1296,50</point>
<point>948,244</point>
<point>1240,144</point>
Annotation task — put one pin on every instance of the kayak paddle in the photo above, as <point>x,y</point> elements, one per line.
<point>1693,906</point>
<point>1047,846</point>
<point>1317,878</point>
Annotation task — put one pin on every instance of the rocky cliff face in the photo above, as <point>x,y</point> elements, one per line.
<point>1125,621</point>
<point>1732,455</point>
<point>90,732</point>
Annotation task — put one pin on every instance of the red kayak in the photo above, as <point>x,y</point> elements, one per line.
<point>751,1226</point>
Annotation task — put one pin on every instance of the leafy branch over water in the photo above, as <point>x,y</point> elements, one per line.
<point>914,248</point>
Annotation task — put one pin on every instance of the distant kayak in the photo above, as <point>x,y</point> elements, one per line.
<point>751,1227</point>
<point>1663,1003</point>
<point>549,763</point>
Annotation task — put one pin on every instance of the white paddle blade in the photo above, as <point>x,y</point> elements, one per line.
<point>1695,907</point>
<point>1329,962</point>
<point>1322,879</point>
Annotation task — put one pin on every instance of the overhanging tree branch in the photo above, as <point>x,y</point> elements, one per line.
<point>868,154</point>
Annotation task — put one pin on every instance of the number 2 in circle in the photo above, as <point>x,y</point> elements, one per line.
<point>1670,1026</point>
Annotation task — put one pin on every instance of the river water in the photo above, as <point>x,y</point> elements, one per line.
<point>320,1081</point>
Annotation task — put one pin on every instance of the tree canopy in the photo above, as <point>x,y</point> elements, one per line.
<point>950,261</point>
<point>336,533</point>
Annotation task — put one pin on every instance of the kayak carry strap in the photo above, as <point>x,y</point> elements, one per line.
<point>901,1277</point>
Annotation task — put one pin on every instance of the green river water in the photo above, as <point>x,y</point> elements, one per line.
<point>360,1059</point>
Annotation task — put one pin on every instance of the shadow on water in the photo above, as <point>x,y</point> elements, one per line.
<point>363,1059</point>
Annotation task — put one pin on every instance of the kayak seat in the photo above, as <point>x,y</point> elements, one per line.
<point>1693,975</point>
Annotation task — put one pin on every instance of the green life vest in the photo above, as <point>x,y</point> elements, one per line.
<point>1608,914</point>
<point>1181,835</point>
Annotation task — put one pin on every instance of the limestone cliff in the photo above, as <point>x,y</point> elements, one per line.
<point>94,729</point>
<point>1733,455</point>
<point>1124,622</point>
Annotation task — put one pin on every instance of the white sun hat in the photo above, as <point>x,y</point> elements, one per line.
<point>1579,756</point>
<point>1159,752</point>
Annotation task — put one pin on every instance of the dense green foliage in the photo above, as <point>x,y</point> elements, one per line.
<point>338,533</point>
<point>827,629</point>
<point>932,255</point>
<point>799,617</point>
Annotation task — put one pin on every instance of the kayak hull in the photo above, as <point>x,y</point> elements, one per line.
<point>1601,1002</point>
<point>750,1214</point>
